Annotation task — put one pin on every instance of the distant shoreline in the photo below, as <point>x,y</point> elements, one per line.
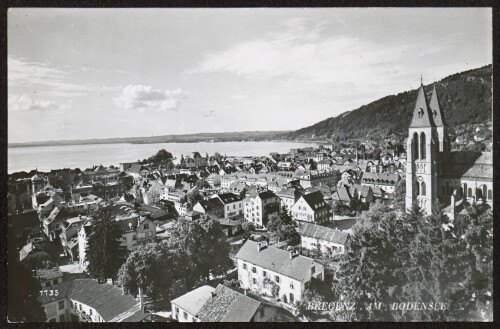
<point>21,145</point>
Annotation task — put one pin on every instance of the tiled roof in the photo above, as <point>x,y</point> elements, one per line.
<point>229,198</point>
<point>228,305</point>
<point>342,194</point>
<point>108,300</point>
<point>468,165</point>
<point>315,200</point>
<point>380,178</point>
<point>194,300</point>
<point>276,260</point>
<point>323,233</point>
<point>267,195</point>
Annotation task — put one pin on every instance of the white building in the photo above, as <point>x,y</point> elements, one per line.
<point>259,206</point>
<point>328,240</point>
<point>186,307</point>
<point>265,268</point>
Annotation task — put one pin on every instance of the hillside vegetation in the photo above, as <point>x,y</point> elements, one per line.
<point>466,98</point>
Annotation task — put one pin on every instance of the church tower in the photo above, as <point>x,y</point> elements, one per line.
<point>441,126</point>
<point>422,154</point>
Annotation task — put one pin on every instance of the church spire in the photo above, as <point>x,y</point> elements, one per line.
<point>436,110</point>
<point>422,116</point>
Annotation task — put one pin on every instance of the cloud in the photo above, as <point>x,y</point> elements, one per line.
<point>51,81</point>
<point>25,103</point>
<point>143,97</point>
<point>303,56</point>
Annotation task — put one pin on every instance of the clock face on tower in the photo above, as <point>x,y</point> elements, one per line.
<point>420,178</point>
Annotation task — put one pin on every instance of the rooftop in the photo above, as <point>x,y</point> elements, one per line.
<point>323,233</point>
<point>228,305</point>
<point>194,300</point>
<point>276,260</point>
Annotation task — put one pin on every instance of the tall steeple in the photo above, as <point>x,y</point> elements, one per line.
<point>422,116</point>
<point>436,111</point>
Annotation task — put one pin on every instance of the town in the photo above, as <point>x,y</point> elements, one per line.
<point>238,239</point>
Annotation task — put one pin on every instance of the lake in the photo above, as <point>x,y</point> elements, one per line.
<point>46,158</point>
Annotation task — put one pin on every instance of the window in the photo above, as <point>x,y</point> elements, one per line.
<point>469,192</point>
<point>91,312</point>
<point>264,273</point>
<point>423,188</point>
<point>254,270</point>
<point>422,146</point>
<point>417,189</point>
<point>185,315</point>
<point>80,306</point>
<point>313,269</point>
<point>54,282</point>
<point>490,195</point>
<point>291,285</point>
<point>415,146</point>
<point>244,266</point>
<point>254,280</point>
<point>277,278</point>
<point>146,226</point>
<point>61,305</point>
<point>61,318</point>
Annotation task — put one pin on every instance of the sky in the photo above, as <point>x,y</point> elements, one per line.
<point>101,73</point>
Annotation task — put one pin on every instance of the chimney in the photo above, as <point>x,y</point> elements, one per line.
<point>141,298</point>
<point>245,292</point>
<point>258,246</point>
<point>123,290</point>
<point>291,255</point>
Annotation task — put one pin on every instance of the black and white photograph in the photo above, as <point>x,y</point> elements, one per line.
<point>257,164</point>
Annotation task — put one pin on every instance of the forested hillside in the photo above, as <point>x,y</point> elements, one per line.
<point>466,98</point>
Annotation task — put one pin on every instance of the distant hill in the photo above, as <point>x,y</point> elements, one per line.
<point>466,98</point>
<point>187,138</point>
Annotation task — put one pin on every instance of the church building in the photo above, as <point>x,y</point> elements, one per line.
<point>433,172</point>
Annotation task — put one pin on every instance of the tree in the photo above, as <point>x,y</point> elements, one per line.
<point>22,292</point>
<point>202,249</point>
<point>247,228</point>
<point>399,197</point>
<point>309,297</point>
<point>151,268</point>
<point>104,251</point>
<point>398,257</point>
<point>283,227</point>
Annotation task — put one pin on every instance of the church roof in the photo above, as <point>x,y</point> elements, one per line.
<point>474,165</point>
<point>436,110</point>
<point>422,116</point>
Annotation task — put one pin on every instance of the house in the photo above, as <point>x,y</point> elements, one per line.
<point>49,277</point>
<point>343,195</point>
<point>214,180</point>
<point>69,232</point>
<point>311,207</point>
<point>233,204</point>
<point>385,181</point>
<point>229,226</point>
<point>364,193</point>
<point>186,307</point>
<point>213,208</point>
<point>87,300</point>
<point>314,237</point>
<point>262,267</point>
<point>288,197</point>
<point>260,206</point>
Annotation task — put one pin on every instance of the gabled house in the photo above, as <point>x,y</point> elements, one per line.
<point>213,208</point>
<point>261,206</point>
<point>262,267</point>
<point>325,239</point>
<point>233,204</point>
<point>312,208</point>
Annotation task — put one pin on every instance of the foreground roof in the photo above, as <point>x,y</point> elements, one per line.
<point>108,300</point>
<point>194,300</point>
<point>228,305</point>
